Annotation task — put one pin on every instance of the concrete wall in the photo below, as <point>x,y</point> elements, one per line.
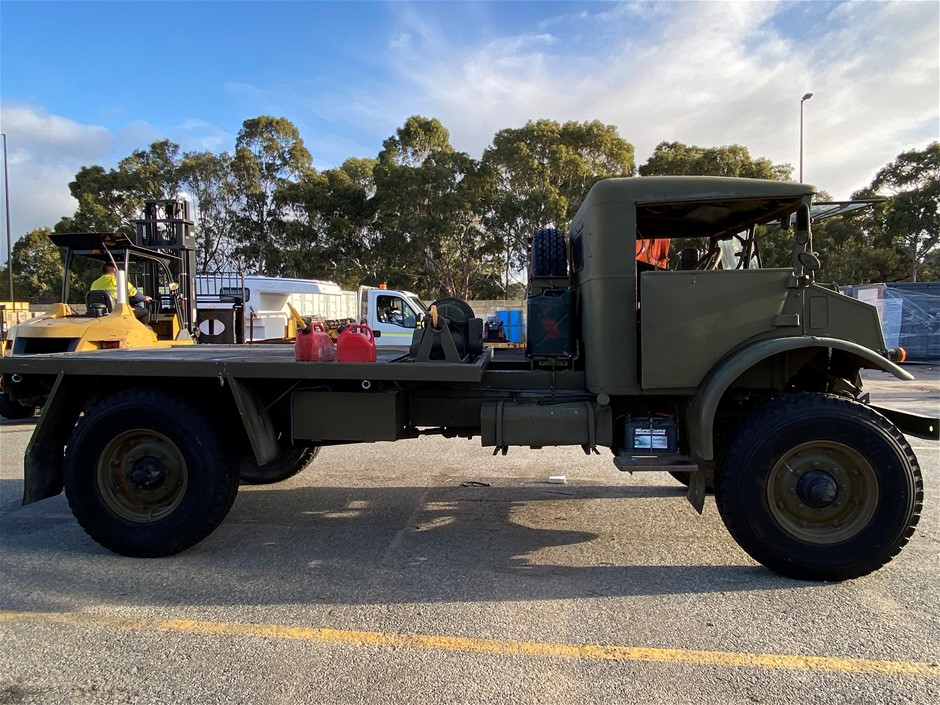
<point>486,308</point>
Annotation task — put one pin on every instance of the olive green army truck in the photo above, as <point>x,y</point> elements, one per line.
<point>720,372</point>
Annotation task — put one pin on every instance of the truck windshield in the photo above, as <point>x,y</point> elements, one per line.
<point>415,302</point>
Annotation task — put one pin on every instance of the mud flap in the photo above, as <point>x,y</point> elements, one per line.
<point>698,483</point>
<point>43,460</point>
<point>257,422</point>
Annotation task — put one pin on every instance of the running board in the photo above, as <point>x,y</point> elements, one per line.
<point>653,463</point>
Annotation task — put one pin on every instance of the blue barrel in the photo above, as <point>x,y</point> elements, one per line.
<point>514,329</point>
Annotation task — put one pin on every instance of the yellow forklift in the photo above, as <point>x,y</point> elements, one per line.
<point>160,265</point>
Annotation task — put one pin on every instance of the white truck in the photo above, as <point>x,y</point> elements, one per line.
<point>253,308</point>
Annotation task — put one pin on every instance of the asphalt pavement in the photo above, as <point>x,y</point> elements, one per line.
<point>428,571</point>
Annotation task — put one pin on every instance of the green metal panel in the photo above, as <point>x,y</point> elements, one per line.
<point>42,464</point>
<point>532,424</point>
<point>445,408</point>
<point>691,319</point>
<point>346,416</point>
<point>835,315</point>
<point>262,435</point>
<point>606,289</point>
<point>617,211</point>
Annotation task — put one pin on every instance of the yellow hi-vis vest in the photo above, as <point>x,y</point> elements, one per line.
<point>108,282</point>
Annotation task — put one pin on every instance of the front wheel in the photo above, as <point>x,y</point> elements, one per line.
<point>817,487</point>
<point>147,475</point>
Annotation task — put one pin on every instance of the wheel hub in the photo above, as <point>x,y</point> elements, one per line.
<point>817,489</point>
<point>142,476</point>
<point>147,473</point>
<point>822,492</point>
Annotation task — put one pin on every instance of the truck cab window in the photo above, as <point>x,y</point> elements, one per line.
<point>394,310</point>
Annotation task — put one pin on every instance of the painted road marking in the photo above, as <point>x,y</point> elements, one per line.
<point>488,646</point>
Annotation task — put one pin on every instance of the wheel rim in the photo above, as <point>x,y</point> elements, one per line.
<point>142,476</point>
<point>822,492</point>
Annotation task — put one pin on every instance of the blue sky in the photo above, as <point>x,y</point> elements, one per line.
<point>88,82</point>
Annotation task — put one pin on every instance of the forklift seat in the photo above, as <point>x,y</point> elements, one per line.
<point>102,298</point>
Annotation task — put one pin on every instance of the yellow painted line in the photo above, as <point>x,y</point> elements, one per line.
<point>489,646</point>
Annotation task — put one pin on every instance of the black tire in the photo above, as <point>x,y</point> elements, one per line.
<point>817,487</point>
<point>147,474</point>
<point>13,409</point>
<point>290,462</point>
<point>549,254</point>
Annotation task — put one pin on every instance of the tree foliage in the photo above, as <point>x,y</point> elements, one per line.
<point>269,156</point>
<point>543,171</point>
<point>37,268</point>
<point>911,218</point>
<point>428,204</point>
<point>733,160</point>
<point>424,216</point>
<point>209,178</point>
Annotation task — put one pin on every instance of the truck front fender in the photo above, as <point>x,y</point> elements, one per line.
<point>702,407</point>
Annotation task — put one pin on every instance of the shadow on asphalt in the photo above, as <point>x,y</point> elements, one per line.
<point>355,545</point>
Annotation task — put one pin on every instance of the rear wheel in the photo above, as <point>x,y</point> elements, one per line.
<point>147,475</point>
<point>290,462</point>
<point>819,488</point>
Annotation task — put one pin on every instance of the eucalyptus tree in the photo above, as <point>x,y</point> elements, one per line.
<point>730,160</point>
<point>911,217</point>
<point>210,180</point>
<point>37,268</point>
<point>104,204</point>
<point>111,200</point>
<point>542,172</point>
<point>429,201</point>
<point>153,173</point>
<point>335,236</point>
<point>269,156</point>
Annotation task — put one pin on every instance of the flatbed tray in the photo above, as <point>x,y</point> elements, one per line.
<point>243,362</point>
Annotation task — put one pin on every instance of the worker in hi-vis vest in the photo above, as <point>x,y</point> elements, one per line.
<point>108,282</point>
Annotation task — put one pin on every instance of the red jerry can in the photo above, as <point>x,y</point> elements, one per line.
<point>313,344</point>
<point>356,344</point>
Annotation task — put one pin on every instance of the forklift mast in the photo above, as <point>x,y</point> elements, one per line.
<point>167,227</point>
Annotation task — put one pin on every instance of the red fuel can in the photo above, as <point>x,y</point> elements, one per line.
<point>313,344</point>
<point>356,344</point>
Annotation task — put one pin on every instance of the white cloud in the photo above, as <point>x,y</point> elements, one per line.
<point>44,153</point>
<point>701,73</point>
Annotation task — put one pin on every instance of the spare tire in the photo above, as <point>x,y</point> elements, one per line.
<point>549,254</point>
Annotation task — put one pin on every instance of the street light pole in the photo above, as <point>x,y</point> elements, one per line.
<point>6,189</point>
<point>803,100</point>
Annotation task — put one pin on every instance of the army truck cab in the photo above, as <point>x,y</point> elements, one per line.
<point>742,379</point>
